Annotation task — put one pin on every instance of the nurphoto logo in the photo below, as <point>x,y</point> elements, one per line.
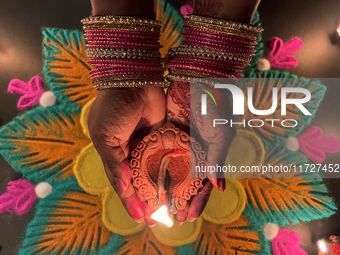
<point>239,105</point>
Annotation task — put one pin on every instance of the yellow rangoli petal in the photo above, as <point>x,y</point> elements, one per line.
<point>83,117</point>
<point>226,207</point>
<point>115,217</point>
<point>176,236</point>
<point>246,150</point>
<point>90,173</point>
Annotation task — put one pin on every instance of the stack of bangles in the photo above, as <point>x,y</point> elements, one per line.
<point>124,51</point>
<point>212,48</point>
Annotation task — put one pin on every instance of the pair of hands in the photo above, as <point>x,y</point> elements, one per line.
<point>120,117</point>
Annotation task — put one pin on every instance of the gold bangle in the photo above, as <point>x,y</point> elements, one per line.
<point>122,53</point>
<point>129,84</point>
<point>225,30</point>
<point>122,27</point>
<point>225,23</point>
<point>193,50</point>
<point>124,20</point>
<point>125,77</point>
<point>211,81</point>
<point>189,73</point>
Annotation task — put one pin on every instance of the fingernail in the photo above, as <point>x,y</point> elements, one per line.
<point>120,185</point>
<point>178,223</point>
<point>191,219</point>
<point>221,184</point>
<point>140,220</point>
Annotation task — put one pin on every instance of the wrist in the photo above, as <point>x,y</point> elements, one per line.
<point>137,8</point>
<point>234,10</point>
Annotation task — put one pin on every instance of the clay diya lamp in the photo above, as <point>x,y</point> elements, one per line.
<point>161,168</point>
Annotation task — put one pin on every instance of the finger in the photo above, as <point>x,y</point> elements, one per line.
<point>146,209</point>
<point>129,198</point>
<point>131,202</point>
<point>217,154</point>
<point>116,165</point>
<point>147,214</point>
<point>199,202</point>
<point>217,179</point>
<point>181,216</point>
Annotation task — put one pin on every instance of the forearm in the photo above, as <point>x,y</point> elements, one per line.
<point>138,8</point>
<point>235,10</point>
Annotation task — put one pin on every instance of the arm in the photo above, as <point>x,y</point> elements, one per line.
<point>120,117</point>
<point>218,141</point>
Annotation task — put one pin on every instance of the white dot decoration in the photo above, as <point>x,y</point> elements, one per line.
<point>47,99</point>
<point>43,189</point>
<point>292,144</point>
<point>270,230</point>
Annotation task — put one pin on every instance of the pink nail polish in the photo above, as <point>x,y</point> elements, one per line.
<point>120,185</point>
<point>191,219</point>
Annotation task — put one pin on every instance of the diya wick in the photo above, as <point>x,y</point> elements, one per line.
<point>161,170</point>
<point>163,214</point>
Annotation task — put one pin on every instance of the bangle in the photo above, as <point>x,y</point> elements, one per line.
<point>125,20</point>
<point>216,36</point>
<point>212,48</point>
<point>221,29</point>
<point>129,84</point>
<point>127,77</point>
<point>225,23</point>
<point>193,50</point>
<point>124,51</point>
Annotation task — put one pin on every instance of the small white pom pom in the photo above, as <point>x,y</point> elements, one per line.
<point>47,99</point>
<point>292,144</point>
<point>263,64</point>
<point>270,231</point>
<point>43,189</point>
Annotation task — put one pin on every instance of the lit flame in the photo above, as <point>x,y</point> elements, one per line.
<point>338,30</point>
<point>162,215</point>
<point>322,245</point>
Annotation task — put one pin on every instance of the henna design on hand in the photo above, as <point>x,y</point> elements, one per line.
<point>180,94</point>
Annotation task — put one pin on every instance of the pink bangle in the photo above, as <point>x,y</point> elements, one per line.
<point>124,46</point>
<point>124,51</point>
<point>121,68</point>
<point>117,39</point>
<point>240,64</point>
<point>110,74</point>
<point>217,33</point>
<point>106,61</point>
<point>113,36</point>
<point>209,65</point>
<point>120,31</point>
<point>237,39</point>
<point>229,42</point>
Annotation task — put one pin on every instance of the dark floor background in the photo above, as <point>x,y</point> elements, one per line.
<point>314,21</point>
